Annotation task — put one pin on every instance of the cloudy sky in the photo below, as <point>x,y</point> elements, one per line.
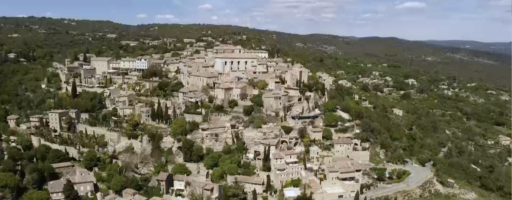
<point>482,20</point>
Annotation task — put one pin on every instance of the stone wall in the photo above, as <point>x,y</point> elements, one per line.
<point>72,151</point>
<point>191,117</point>
<point>116,140</point>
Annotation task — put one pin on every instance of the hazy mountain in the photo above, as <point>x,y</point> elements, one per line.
<point>495,47</point>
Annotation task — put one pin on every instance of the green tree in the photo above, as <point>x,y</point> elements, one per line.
<point>57,156</point>
<point>331,119</point>
<point>248,110</point>
<point>90,159</point>
<point>179,127</point>
<point>118,183</point>
<point>36,195</point>
<point>14,154</point>
<point>406,96</point>
<point>233,103</point>
<point>257,100</point>
<point>302,132</point>
<point>212,160</point>
<point>69,191</point>
<point>10,182</point>
<point>234,192</point>
<point>327,134</point>
<point>74,91</point>
<point>181,168</point>
<point>329,106</point>
<point>217,175</point>
<point>261,85</point>
<point>280,195</point>
<point>9,166</point>
<point>287,129</point>
<point>357,196</point>
<point>25,143</point>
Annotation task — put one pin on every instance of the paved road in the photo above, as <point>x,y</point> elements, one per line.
<point>418,176</point>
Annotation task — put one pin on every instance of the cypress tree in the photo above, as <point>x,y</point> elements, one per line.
<point>166,114</point>
<point>159,111</point>
<point>174,113</point>
<point>254,195</point>
<point>84,57</point>
<point>74,92</point>
<point>268,187</point>
<point>69,191</point>
<point>357,196</point>
<point>153,113</point>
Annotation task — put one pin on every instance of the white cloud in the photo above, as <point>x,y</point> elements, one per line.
<point>411,4</point>
<point>500,2</point>
<point>167,17</point>
<point>328,15</point>
<point>368,15</point>
<point>48,14</point>
<point>205,7</point>
<point>21,15</point>
<point>317,10</point>
<point>214,18</point>
<point>142,16</point>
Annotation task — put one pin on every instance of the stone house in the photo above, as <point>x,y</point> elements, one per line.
<point>36,121</point>
<point>297,73</point>
<point>131,194</point>
<point>285,167</point>
<point>249,183</point>
<point>504,140</point>
<point>164,180</point>
<point>83,180</point>
<point>13,121</point>
<point>275,101</point>
<point>342,147</point>
<point>315,133</point>
<point>56,119</point>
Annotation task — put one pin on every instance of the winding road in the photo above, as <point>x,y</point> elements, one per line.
<point>418,176</point>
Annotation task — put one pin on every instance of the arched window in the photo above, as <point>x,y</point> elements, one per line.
<point>238,62</point>
<point>231,62</point>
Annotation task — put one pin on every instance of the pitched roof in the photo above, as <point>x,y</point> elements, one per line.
<point>249,179</point>
<point>179,177</point>
<point>237,56</point>
<point>205,74</point>
<point>162,176</point>
<point>56,186</point>
<point>130,191</point>
<point>100,58</point>
<point>342,140</point>
<point>63,164</point>
<point>12,117</point>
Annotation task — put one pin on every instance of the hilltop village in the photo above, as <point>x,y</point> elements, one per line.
<point>212,123</point>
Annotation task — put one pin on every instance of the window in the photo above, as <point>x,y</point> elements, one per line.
<point>231,62</point>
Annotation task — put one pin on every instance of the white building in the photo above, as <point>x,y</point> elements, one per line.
<point>101,64</point>
<point>259,53</point>
<point>134,64</point>
<point>227,63</point>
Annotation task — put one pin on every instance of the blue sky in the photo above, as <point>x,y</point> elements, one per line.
<point>482,20</point>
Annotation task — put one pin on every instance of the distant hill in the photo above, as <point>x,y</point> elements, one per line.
<point>494,47</point>
<point>319,52</point>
